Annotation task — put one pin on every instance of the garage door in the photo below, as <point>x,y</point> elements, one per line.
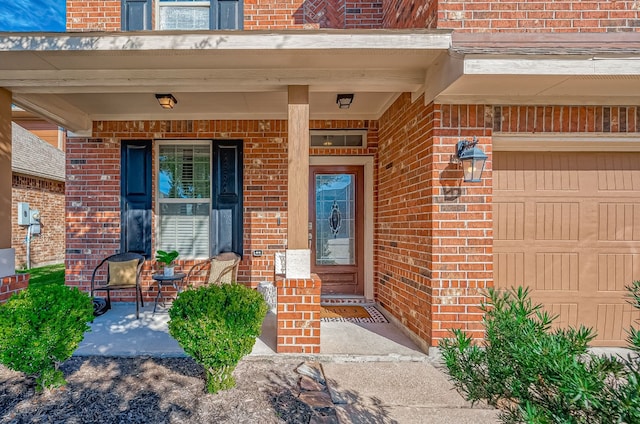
<point>568,226</point>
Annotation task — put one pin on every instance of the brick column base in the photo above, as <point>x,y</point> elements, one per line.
<point>12,284</point>
<point>298,315</point>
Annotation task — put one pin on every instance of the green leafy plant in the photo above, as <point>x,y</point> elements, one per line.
<point>217,326</point>
<point>40,328</point>
<point>537,374</point>
<point>167,258</point>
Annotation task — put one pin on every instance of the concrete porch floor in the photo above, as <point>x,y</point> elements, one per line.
<point>118,333</point>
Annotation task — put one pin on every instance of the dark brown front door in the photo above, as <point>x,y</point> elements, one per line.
<point>336,206</point>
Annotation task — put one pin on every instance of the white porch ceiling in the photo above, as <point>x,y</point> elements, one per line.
<point>73,79</point>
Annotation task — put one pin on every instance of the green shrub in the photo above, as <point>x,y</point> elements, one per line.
<point>538,375</point>
<point>40,328</point>
<point>217,326</point>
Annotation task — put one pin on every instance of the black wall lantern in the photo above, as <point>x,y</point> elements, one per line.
<point>472,159</point>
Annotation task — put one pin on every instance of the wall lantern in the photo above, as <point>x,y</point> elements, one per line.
<point>344,100</point>
<point>472,159</point>
<point>167,101</point>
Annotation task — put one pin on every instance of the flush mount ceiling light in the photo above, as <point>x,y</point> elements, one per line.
<point>344,100</point>
<point>167,101</point>
<point>472,159</point>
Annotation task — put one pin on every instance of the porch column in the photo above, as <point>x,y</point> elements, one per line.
<point>7,254</point>
<point>298,254</point>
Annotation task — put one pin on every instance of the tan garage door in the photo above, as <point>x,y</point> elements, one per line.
<point>568,226</point>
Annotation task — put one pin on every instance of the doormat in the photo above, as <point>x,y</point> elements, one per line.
<point>350,313</point>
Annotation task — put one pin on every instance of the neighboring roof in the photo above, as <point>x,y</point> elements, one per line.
<point>33,156</point>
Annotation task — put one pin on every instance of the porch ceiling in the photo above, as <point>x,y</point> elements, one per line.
<point>74,79</point>
<point>582,69</point>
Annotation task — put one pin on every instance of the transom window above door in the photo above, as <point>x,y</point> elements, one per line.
<point>199,14</point>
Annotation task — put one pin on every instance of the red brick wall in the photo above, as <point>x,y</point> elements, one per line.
<point>544,16</point>
<point>298,318</point>
<point>47,196</point>
<point>11,285</point>
<point>93,15</point>
<point>410,13</point>
<point>105,15</point>
<point>93,189</point>
<point>433,232</point>
<point>560,119</point>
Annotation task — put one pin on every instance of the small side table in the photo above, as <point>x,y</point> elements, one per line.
<point>174,280</point>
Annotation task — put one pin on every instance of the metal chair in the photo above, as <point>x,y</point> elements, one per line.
<point>221,269</point>
<point>122,278</point>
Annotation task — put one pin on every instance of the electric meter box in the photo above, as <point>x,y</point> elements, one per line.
<point>24,217</point>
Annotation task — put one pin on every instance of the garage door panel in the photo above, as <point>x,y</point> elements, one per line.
<point>618,173</point>
<point>509,219</point>
<point>556,271</point>
<point>615,271</point>
<point>572,234</point>
<point>557,220</point>
<point>613,319</point>
<point>619,221</point>
<point>508,269</point>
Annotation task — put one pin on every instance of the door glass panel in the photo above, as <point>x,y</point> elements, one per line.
<point>335,219</point>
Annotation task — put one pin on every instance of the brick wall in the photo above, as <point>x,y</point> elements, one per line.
<point>298,318</point>
<point>47,196</point>
<point>11,285</point>
<point>433,232</point>
<point>93,15</point>
<point>547,16</point>
<point>93,190</point>
<point>573,119</point>
<point>104,15</point>
<point>410,13</point>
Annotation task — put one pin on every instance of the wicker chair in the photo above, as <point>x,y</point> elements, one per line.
<point>122,277</point>
<point>221,269</point>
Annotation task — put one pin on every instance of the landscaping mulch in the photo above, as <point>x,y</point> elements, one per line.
<point>154,390</point>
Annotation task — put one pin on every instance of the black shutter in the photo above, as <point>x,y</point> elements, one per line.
<point>226,214</point>
<point>227,14</point>
<point>135,194</point>
<point>136,15</point>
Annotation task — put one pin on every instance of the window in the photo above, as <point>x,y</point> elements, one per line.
<point>184,198</point>
<point>338,138</point>
<point>199,14</point>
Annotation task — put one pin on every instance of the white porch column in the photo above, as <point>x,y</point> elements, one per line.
<point>298,253</point>
<point>7,254</point>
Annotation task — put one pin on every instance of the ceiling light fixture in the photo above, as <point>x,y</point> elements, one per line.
<point>167,101</point>
<point>344,100</point>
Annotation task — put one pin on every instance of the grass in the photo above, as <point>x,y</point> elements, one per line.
<point>50,274</point>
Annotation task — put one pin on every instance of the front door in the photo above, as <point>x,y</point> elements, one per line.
<point>336,228</point>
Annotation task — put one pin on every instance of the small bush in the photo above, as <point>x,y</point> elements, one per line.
<point>217,326</point>
<point>40,328</point>
<point>538,375</point>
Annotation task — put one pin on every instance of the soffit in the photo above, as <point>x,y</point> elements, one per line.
<point>73,79</point>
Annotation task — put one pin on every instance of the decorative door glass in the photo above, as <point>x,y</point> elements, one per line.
<point>335,219</point>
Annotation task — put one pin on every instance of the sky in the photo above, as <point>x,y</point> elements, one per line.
<point>32,15</point>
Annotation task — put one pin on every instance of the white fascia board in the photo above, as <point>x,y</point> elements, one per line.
<point>229,40</point>
<point>492,65</point>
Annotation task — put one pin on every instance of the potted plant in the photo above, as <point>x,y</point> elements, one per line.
<point>167,259</point>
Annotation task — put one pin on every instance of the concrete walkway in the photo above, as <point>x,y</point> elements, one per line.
<point>373,372</point>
